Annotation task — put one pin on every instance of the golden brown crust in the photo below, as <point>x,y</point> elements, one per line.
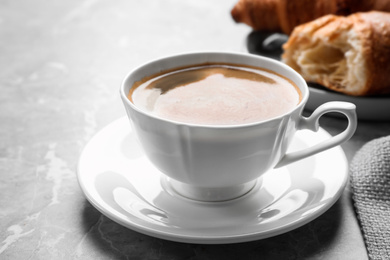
<point>260,15</point>
<point>374,30</point>
<point>285,15</point>
<point>346,54</point>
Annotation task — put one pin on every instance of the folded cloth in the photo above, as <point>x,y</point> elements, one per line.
<point>370,183</point>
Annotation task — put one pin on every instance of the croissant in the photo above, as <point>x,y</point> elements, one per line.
<point>285,15</point>
<point>345,54</point>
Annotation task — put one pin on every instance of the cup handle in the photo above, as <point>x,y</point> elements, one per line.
<point>312,123</point>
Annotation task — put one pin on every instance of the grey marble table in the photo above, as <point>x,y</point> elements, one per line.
<point>61,64</point>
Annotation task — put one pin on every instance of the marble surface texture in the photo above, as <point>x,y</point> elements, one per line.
<point>61,64</point>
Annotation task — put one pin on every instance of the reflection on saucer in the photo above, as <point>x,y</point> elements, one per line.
<point>289,203</point>
<point>115,190</point>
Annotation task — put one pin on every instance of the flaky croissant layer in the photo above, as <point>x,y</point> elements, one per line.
<point>346,54</point>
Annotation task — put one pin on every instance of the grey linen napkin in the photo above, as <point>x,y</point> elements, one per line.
<point>370,183</point>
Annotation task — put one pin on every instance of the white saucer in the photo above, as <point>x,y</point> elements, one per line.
<point>120,182</point>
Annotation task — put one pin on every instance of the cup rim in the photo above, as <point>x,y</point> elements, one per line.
<point>305,93</point>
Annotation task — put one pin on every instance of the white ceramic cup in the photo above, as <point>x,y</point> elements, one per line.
<point>216,163</point>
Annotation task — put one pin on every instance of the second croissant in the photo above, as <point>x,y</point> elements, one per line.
<point>285,15</point>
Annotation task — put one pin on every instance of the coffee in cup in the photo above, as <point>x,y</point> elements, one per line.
<point>216,94</point>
